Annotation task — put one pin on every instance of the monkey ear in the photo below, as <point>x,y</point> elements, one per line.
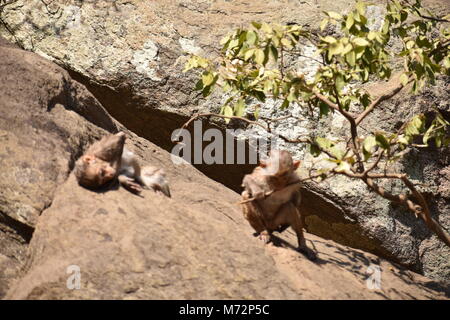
<point>88,158</point>
<point>296,164</point>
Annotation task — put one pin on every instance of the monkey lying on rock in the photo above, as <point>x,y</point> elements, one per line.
<point>271,198</point>
<point>107,160</point>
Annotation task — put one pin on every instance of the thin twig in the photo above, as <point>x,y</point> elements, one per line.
<point>268,193</point>
<point>200,115</point>
<point>332,105</point>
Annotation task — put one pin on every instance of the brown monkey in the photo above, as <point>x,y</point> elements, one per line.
<point>107,159</point>
<point>271,198</point>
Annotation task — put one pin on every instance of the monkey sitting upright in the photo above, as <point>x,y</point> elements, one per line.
<point>271,198</point>
<point>107,159</point>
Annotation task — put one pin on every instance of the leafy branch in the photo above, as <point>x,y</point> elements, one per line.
<point>252,68</point>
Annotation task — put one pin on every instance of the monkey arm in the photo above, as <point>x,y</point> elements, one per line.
<point>130,184</point>
<point>254,189</point>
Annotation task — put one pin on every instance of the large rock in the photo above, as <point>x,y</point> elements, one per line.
<point>130,55</point>
<point>40,133</point>
<point>43,128</point>
<point>195,245</point>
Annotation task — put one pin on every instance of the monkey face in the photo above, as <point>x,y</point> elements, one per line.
<point>96,172</point>
<point>279,168</point>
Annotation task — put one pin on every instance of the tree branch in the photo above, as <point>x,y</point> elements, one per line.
<point>421,210</point>
<point>200,115</point>
<point>334,106</point>
<point>385,96</point>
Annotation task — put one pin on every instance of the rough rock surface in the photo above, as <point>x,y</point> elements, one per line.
<point>132,66</point>
<point>43,128</point>
<point>193,246</point>
<point>37,92</point>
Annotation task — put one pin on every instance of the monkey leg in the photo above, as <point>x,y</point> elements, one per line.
<point>282,227</point>
<point>155,179</point>
<point>288,214</point>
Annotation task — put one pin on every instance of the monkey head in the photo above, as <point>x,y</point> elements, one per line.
<point>279,167</point>
<point>92,172</point>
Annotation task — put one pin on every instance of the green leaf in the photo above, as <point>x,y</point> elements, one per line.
<point>334,15</point>
<point>248,54</point>
<point>369,143</point>
<point>323,24</point>
<point>404,79</point>
<point>207,78</point>
<point>427,134</point>
<point>403,15</point>
<point>329,39</point>
<point>202,62</point>
<point>224,40</point>
<point>242,37</point>
<point>286,42</point>
<point>227,111</point>
<point>347,48</point>
<point>239,108</point>
<point>351,58</point>
<point>259,56</point>
<point>403,140</point>
<point>382,141</point>
<point>361,7</point>
<point>438,141</point>
<point>365,100</point>
<point>324,143</point>
<point>266,28</point>
<point>285,104</point>
<point>350,21</point>
<point>335,48</point>
<point>257,25</point>
<point>314,150</point>
<point>359,51</point>
<point>324,109</point>
<point>386,26</point>
<point>360,42</point>
<point>415,126</point>
<point>274,52</point>
<point>340,82</point>
<point>251,37</point>
<point>372,35</point>
<point>207,91</point>
<point>343,167</point>
<point>337,152</point>
<point>233,43</point>
<point>292,96</point>
<point>256,113</point>
<point>259,95</point>
<point>199,85</point>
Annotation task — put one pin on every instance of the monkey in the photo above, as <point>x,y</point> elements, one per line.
<point>271,198</point>
<point>107,160</point>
